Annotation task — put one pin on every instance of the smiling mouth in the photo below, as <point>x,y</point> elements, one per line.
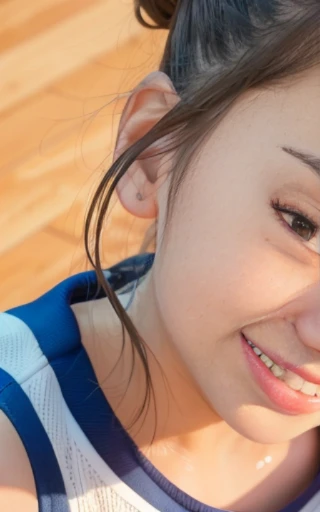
<point>291,379</point>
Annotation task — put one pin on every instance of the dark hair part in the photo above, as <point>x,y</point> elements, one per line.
<point>216,50</point>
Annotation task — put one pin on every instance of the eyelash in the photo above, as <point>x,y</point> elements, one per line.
<point>286,208</point>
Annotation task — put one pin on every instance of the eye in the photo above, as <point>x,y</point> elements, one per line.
<point>300,223</point>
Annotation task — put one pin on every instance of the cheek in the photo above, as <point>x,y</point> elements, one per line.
<point>217,270</point>
<point>208,280</point>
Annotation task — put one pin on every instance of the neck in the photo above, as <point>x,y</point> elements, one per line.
<point>178,414</point>
<point>179,432</point>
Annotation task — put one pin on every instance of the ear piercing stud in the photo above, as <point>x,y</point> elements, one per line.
<point>139,196</point>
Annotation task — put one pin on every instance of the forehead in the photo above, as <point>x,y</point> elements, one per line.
<point>297,99</point>
<point>276,114</point>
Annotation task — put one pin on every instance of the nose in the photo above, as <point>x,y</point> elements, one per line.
<point>304,313</point>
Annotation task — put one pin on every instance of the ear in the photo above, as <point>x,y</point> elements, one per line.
<point>147,104</point>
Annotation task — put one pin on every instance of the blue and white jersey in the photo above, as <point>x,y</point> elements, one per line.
<point>82,459</point>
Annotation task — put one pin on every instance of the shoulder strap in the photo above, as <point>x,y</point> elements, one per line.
<point>20,359</point>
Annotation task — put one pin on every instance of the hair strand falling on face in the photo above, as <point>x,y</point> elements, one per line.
<point>216,51</point>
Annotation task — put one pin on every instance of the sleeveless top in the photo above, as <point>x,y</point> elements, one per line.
<point>81,457</point>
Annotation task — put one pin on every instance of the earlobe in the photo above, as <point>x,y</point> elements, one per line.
<point>152,99</point>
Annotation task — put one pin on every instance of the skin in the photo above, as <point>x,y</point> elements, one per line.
<point>226,265</point>
<point>17,487</point>
<point>226,238</point>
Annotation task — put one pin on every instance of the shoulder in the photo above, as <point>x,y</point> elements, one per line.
<point>20,357</point>
<point>44,326</point>
<point>17,486</point>
<point>32,337</point>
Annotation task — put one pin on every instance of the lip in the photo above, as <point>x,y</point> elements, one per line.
<point>304,374</point>
<point>286,400</point>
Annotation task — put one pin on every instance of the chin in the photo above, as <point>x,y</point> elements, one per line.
<point>264,426</point>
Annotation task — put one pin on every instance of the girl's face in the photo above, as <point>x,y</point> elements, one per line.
<point>232,265</point>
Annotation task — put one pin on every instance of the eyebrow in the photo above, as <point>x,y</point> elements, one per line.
<point>308,159</point>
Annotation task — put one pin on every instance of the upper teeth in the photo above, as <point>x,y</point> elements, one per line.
<point>292,380</point>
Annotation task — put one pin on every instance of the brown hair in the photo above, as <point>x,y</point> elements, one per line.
<point>216,50</point>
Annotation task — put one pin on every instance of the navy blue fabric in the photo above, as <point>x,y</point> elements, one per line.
<point>48,480</point>
<point>53,323</point>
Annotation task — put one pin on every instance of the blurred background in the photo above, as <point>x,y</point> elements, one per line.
<point>66,69</point>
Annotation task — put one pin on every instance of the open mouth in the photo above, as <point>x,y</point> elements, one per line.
<point>287,390</point>
<point>290,378</point>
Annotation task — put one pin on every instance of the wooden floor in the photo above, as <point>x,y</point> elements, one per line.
<point>66,67</point>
